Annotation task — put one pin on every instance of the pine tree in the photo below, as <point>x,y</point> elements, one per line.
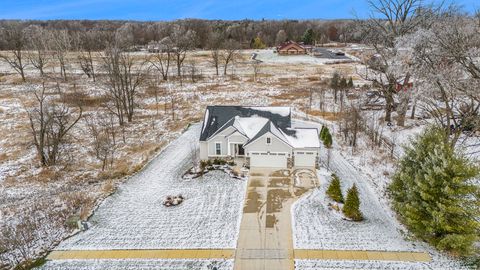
<point>434,195</point>
<point>334,190</point>
<point>350,83</point>
<point>322,133</point>
<point>343,83</point>
<point>307,37</point>
<point>335,81</point>
<point>327,138</point>
<point>351,209</point>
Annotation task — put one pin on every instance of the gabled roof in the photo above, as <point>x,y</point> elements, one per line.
<point>254,122</point>
<point>289,44</point>
<point>269,127</point>
<point>218,118</point>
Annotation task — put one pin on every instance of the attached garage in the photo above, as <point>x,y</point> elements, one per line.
<point>304,159</point>
<point>268,160</point>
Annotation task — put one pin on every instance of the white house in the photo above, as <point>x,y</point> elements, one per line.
<point>261,136</point>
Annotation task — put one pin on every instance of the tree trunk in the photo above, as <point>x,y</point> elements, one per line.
<point>414,107</point>
<point>388,106</point>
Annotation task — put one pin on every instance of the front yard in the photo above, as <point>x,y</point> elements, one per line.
<point>135,218</point>
<point>316,226</point>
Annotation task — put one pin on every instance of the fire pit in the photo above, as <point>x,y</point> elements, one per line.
<point>173,200</point>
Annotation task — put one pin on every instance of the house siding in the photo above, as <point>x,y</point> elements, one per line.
<point>203,150</point>
<point>221,138</point>
<point>276,145</point>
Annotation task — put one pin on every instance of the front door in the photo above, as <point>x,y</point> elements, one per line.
<point>240,150</point>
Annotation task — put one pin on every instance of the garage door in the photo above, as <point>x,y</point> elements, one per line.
<point>304,159</point>
<point>276,160</point>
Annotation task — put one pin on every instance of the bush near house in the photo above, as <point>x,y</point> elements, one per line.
<point>334,190</point>
<point>351,209</point>
<point>434,193</point>
<point>326,137</point>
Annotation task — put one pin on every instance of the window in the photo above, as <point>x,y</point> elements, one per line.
<point>218,149</point>
<point>269,140</point>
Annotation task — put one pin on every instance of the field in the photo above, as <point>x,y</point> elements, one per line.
<point>151,154</point>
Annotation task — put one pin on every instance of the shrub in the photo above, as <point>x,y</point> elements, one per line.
<point>351,209</point>
<point>219,161</point>
<point>326,137</point>
<point>334,190</point>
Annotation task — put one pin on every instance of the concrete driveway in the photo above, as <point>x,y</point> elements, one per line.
<point>265,240</point>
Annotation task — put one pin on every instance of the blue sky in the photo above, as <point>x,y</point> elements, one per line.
<point>175,9</point>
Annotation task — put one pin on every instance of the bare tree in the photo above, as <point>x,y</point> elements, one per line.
<point>162,59</point>
<point>103,132</point>
<point>124,77</point>
<point>215,43</point>
<point>88,42</point>
<point>62,44</point>
<point>39,46</point>
<point>229,54</point>
<point>390,20</point>
<point>14,37</point>
<point>255,69</point>
<point>183,40</point>
<point>352,124</point>
<point>194,155</point>
<point>448,71</point>
<point>50,123</point>
<point>281,37</point>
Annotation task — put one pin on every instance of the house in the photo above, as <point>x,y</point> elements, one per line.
<point>257,137</point>
<point>291,47</point>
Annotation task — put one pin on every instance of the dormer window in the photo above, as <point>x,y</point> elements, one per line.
<point>269,140</point>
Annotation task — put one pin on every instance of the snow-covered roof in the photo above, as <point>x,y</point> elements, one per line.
<point>249,126</point>
<point>303,137</point>
<point>219,117</point>
<point>254,122</point>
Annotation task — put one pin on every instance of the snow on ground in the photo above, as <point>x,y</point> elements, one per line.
<point>137,265</point>
<point>134,217</point>
<point>269,57</point>
<point>439,264</point>
<point>318,227</point>
<point>315,226</point>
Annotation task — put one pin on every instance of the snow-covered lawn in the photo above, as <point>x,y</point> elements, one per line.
<point>138,264</point>
<point>317,227</point>
<point>269,57</point>
<point>438,264</point>
<point>134,218</point>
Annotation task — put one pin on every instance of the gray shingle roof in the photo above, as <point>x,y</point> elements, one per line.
<point>216,117</point>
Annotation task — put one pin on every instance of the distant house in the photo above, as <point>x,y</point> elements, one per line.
<point>291,48</point>
<point>257,136</point>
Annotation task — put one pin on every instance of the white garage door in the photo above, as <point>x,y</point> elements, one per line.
<point>304,159</point>
<point>276,160</point>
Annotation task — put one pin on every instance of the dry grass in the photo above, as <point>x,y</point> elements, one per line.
<point>46,175</point>
<point>330,116</point>
<point>108,187</point>
<point>81,98</point>
<point>3,157</point>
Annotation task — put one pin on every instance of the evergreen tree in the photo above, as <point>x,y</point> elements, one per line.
<point>327,138</point>
<point>334,190</point>
<point>335,81</point>
<point>258,43</point>
<point>322,133</point>
<point>307,37</point>
<point>343,83</point>
<point>351,209</point>
<point>350,83</point>
<point>434,195</point>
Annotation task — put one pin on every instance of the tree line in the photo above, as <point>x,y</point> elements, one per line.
<point>271,32</point>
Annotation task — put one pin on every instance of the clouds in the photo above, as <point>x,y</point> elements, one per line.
<point>174,9</point>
